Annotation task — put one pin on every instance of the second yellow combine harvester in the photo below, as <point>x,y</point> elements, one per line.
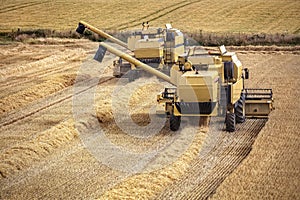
<point>205,84</point>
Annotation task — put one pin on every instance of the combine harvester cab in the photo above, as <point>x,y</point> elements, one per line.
<point>205,84</point>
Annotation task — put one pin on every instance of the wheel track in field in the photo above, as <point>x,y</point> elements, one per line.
<point>13,117</point>
<point>55,191</point>
<point>217,12</point>
<point>33,75</point>
<point>187,14</point>
<point>19,6</point>
<point>227,152</point>
<point>39,73</point>
<point>138,21</point>
<point>220,172</point>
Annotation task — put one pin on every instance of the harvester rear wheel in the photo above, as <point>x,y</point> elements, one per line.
<point>239,109</point>
<point>174,122</point>
<point>230,122</point>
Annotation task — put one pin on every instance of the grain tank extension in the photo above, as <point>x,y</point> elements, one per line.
<point>205,84</point>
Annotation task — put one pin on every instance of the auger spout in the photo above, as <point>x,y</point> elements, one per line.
<point>82,25</point>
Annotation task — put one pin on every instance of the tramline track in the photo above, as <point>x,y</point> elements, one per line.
<point>233,156</point>
<point>202,181</point>
<point>36,74</point>
<point>101,175</point>
<point>18,6</point>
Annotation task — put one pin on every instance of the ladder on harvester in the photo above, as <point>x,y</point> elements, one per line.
<point>168,53</point>
<point>258,102</point>
<point>168,47</point>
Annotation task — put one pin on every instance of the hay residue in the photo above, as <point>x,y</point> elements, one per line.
<point>44,89</point>
<point>140,96</point>
<point>37,61</point>
<point>148,185</point>
<point>23,155</point>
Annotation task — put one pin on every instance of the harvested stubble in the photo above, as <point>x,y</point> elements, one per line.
<point>272,169</point>
<point>33,61</point>
<point>176,158</point>
<point>148,185</point>
<point>36,92</point>
<point>23,155</point>
<point>145,97</point>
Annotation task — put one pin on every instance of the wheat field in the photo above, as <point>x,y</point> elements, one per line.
<point>43,151</point>
<point>250,16</point>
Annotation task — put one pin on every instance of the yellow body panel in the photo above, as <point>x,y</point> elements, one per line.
<point>201,59</point>
<point>131,41</point>
<point>236,90</point>
<point>149,53</point>
<point>201,87</point>
<point>175,74</point>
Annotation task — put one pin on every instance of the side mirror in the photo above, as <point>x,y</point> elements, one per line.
<point>246,70</point>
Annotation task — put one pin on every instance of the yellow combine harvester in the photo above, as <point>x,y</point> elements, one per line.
<point>158,47</point>
<point>206,84</point>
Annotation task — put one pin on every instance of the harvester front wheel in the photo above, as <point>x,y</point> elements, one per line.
<point>230,122</point>
<point>239,110</point>
<point>174,122</point>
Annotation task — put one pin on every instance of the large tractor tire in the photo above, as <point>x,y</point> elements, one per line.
<point>174,122</point>
<point>230,122</point>
<point>239,110</point>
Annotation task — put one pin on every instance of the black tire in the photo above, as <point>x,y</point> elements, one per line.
<point>230,122</point>
<point>239,110</point>
<point>174,122</point>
